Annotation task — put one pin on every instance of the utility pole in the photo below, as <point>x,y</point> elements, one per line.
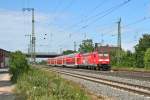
<point>30,44</point>
<point>119,41</point>
<point>33,55</point>
<point>75,45</point>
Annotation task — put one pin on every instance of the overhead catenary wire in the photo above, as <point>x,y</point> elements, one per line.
<point>100,4</point>
<point>67,6</point>
<point>57,6</point>
<point>137,21</point>
<point>87,15</point>
<point>127,25</point>
<point>57,9</point>
<point>62,11</point>
<point>108,11</point>
<point>102,13</point>
<point>132,23</point>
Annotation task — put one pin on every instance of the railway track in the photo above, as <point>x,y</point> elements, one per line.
<point>122,74</point>
<point>138,89</point>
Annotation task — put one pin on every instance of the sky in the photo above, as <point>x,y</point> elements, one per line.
<point>60,23</point>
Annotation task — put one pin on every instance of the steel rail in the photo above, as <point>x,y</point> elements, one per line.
<point>138,89</point>
<point>128,74</point>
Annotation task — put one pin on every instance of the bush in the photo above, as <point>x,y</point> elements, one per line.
<point>43,85</point>
<point>147,59</point>
<point>18,65</point>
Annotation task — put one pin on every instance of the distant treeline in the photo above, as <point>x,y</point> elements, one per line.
<point>139,58</point>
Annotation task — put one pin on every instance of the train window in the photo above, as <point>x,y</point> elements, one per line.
<point>100,54</point>
<point>105,55</point>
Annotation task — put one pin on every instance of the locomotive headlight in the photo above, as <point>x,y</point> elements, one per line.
<point>106,60</point>
<point>101,59</point>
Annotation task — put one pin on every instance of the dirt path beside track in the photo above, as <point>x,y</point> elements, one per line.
<point>6,87</point>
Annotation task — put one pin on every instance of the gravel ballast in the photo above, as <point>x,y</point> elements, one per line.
<point>115,78</point>
<point>106,91</point>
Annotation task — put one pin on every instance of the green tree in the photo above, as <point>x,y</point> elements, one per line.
<point>127,59</point>
<point>18,65</point>
<point>86,46</point>
<point>140,49</point>
<point>66,52</point>
<point>113,57</point>
<point>147,58</point>
<point>43,62</point>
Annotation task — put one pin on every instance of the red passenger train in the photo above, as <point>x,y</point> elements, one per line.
<point>93,60</point>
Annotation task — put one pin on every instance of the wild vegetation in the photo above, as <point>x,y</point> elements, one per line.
<point>44,85</point>
<point>18,65</point>
<point>140,58</point>
<point>37,84</point>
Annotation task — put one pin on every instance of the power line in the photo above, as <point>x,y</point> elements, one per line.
<point>132,23</point>
<point>63,9</point>
<point>145,18</point>
<point>88,15</point>
<point>68,6</point>
<point>138,21</point>
<point>96,7</point>
<point>57,6</point>
<point>109,11</point>
<point>55,11</point>
<point>106,12</point>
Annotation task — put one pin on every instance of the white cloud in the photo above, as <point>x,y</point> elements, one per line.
<point>128,46</point>
<point>15,24</point>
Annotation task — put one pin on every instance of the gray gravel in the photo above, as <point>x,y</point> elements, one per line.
<point>6,96</point>
<point>106,91</point>
<point>120,79</point>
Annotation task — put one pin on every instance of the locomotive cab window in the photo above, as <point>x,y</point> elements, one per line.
<point>100,54</point>
<point>105,55</point>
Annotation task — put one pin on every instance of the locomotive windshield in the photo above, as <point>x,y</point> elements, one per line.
<point>103,55</point>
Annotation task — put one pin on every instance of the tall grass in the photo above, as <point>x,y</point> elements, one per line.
<point>43,85</point>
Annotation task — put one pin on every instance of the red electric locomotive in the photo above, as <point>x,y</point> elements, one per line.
<point>103,55</point>
<point>99,59</point>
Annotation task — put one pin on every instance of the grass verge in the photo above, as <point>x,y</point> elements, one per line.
<point>44,85</point>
